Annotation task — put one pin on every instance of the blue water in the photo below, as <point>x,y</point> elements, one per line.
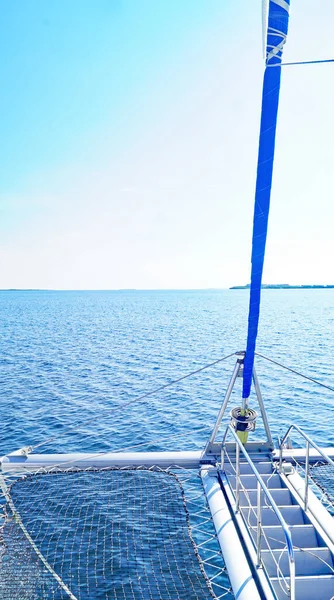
<point>69,357</point>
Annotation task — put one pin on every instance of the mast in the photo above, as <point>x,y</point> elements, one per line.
<point>278,18</point>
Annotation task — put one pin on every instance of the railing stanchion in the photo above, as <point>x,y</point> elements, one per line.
<point>307,469</point>
<point>237,471</point>
<point>292,580</point>
<point>280,458</point>
<point>259,525</point>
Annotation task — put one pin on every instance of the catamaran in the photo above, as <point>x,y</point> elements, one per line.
<point>240,518</point>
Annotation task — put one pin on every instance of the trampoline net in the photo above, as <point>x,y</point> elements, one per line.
<point>107,534</point>
<point>322,475</point>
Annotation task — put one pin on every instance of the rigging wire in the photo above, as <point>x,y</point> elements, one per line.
<point>328,387</point>
<point>304,62</point>
<point>139,399</point>
<point>86,457</point>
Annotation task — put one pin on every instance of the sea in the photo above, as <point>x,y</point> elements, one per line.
<point>75,366</point>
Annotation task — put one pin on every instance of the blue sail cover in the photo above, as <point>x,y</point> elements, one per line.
<point>278,18</point>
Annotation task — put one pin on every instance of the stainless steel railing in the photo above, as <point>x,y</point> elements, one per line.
<point>309,443</point>
<point>261,488</point>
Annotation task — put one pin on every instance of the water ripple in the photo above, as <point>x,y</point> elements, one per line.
<point>69,357</point>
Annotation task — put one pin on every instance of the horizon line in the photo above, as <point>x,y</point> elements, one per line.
<point>113,289</point>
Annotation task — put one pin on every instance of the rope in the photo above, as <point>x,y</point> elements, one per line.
<point>139,399</point>
<point>328,387</point>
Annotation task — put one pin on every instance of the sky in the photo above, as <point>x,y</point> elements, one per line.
<point>129,136</point>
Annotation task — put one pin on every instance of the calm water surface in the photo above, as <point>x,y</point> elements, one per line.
<point>69,357</point>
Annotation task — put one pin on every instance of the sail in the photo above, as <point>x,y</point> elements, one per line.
<point>277,28</point>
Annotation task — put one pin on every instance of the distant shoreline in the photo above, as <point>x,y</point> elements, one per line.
<point>284,286</point>
<point>131,290</point>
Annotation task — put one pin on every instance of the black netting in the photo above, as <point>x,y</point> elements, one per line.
<point>323,475</point>
<point>112,534</point>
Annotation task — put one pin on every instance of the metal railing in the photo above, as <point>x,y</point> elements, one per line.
<point>309,443</point>
<point>261,488</point>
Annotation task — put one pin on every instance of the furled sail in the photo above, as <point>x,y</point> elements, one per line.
<point>277,28</point>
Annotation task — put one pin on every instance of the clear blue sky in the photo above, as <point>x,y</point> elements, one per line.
<point>129,134</point>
